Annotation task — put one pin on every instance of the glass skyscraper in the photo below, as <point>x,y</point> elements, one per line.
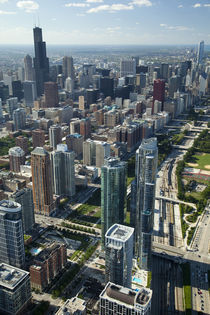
<point>113,193</point>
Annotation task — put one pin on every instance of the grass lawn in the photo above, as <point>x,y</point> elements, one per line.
<point>201,160</point>
<point>195,194</point>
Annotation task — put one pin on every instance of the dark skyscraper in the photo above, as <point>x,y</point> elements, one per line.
<point>159,91</point>
<point>41,62</point>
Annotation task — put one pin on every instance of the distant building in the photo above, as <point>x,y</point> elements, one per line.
<point>38,138</point>
<point>85,128</point>
<point>30,93</point>
<point>28,68</point>
<point>159,92</point>
<point>41,179</point>
<point>51,94</point>
<point>15,290</point>
<point>55,135</point>
<point>47,265</point>
<point>73,306</point>
<point>95,152</point>
<point>22,142</point>
<point>118,300</point>
<point>25,198</point>
<point>11,237</point>
<point>200,55</point>
<point>113,193</point>
<point>127,67</point>
<point>68,67</point>
<point>63,174</point>
<point>16,159</point>
<point>75,143</point>
<point>119,254</point>
<point>11,105</point>
<point>19,119</point>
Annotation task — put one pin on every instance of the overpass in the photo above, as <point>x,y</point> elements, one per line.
<point>172,200</point>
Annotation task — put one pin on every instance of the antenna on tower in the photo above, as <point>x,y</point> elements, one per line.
<point>38,21</point>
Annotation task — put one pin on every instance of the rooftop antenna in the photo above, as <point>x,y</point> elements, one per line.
<point>38,21</point>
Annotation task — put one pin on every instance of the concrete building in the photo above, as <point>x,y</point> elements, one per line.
<point>38,138</point>
<point>30,93</point>
<point>19,118</point>
<point>55,135</point>
<point>127,67</point>
<point>47,265</point>
<point>74,126</point>
<point>73,306</point>
<point>113,193</point>
<point>68,67</point>
<point>11,105</point>
<point>16,159</point>
<point>75,143</point>
<point>25,198</point>
<point>22,142</point>
<point>41,179</point>
<point>119,254</point>
<point>111,118</point>
<point>28,68</point>
<point>95,152</point>
<point>12,249</point>
<point>200,54</point>
<point>118,300</point>
<point>63,173</point>
<point>15,290</point>
<point>143,192</point>
<point>85,128</point>
<point>51,94</point>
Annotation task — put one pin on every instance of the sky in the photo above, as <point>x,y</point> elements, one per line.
<point>114,22</point>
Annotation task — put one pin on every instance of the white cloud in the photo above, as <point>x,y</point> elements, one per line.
<point>3,1</point>
<point>76,5</point>
<point>197,5</point>
<point>7,12</point>
<point>180,6</point>
<point>141,3</point>
<point>94,1</point>
<point>80,14</point>
<point>176,28</point>
<point>207,5</point>
<point>28,6</point>
<point>111,8</point>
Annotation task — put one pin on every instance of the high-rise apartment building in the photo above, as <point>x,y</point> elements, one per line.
<point>15,290</point>
<point>19,118</point>
<point>95,152</point>
<point>55,135</point>
<point>75,143</point>
<point>68,67</point>
<point>11,105</point>
<point>159,91</point>
<point>38,138</point>
<point>51,94</point>
<point>41,62</point>
<point>113,193</point>
<point>28,68</point>
<point>30,93</point>
<point>63,174</point>
<point>22,142</point>
<point>119,254</point>
<point>25,198</point>
<point>200,55</point>
<point>127,67</point>
<point>16,159</point>
<point>143,191</point>
<point>41,179</point>
<point>118,300</point>
<point>12,251</point>
<point>85,128</point>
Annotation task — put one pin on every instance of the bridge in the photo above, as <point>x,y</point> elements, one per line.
<point>172,200</point>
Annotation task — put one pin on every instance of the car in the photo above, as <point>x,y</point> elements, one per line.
<point>202,308</point>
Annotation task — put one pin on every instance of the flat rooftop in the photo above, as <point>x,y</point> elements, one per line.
<point>10,276</point>
<point>120,232</point>
<point>72,306</point>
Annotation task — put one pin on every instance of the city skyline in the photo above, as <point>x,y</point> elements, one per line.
<point>141,22</point>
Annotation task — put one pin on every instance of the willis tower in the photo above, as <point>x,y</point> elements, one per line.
<point>41,62</point>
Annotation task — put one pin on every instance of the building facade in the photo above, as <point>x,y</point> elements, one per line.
<point>55,135</point>
<point>16,159</point>
<point>38,138</point>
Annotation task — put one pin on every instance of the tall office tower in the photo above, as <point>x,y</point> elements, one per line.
<point>69,85</point>
<point>21,74</point>
<point>41,62</point>
<point>107,86</point>
<point>118,300</point>
<point>28,68</point>
<point>164,70</point>
<point>51,94</point>
<point>11,237</point>
<point>75,143</point>
<point>113,193</point>
<point>16,159</point>
<point>17,89</point>
<point>174,85</point>
<point>119,254</point>
<point>4,92</point>
<point>127,67</point>
<point>25,198</point>
<point>38,138</point>
<point>15,290</point>
<point>41,179</point>
<point>200,55</point>
<point>68,67</point>
<point>19,118</point>
<point>85,128</point>
<point>144,186</point>
<point>30,94</point>
<point>91,96</point>
<point>11,105</point>
<point>159,92</point>
<point>55,135</point>
<point>62,162</point>
<point>1,111</point>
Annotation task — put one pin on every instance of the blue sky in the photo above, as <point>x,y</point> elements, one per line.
<point>139,22</point>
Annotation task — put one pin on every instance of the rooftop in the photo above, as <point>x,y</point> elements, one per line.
<point>120,232</point>
<point>39,151</point>
<point>10,276</point>
<point>72,306</point>
<point>16,151</point>
<point>9,206</point>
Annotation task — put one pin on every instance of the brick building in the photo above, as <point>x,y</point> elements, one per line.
<point>38,138</point>
<point>22,142</point>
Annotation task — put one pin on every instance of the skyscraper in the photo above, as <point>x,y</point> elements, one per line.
<point>19,119</point>
<point>38,138</point>
<point>119,254</point>
<point>113,193</point>
<point>28,68</point>
<point>127,67</point>
<point>41,62</point>
<point>51,94</point>
<point>68,67</point>
<point>55,135</point>
<point>200,52</point>
<point>16,158</point>
<point>30,93</point>
<point>63,175</point>
<point>41,179</point>
<point>25,198</point>
<point>12,250</point>
<point>159,91</point>
<point>144,194</point>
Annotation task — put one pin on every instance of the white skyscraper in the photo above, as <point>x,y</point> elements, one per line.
<point>200,52</point>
